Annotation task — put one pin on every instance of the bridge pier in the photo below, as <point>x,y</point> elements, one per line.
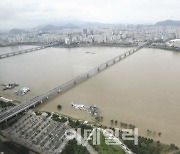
<point>75,82</point>
<point>59,90</point>
<point>41,101</point>
<point>107,65</point>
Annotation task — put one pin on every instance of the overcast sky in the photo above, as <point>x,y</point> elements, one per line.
<point>29,13</point>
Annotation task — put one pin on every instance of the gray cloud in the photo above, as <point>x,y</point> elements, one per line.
<point>28,13</point>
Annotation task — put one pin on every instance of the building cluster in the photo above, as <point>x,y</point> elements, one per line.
<point>123,35</point>
<point>173,43</point>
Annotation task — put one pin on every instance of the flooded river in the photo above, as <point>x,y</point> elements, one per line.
<point>142,90</point>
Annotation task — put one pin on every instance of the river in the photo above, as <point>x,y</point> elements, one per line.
<point>143,89</point>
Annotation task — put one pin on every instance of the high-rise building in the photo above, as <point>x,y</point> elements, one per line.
<point>85,32</point>
<point>91,32</point>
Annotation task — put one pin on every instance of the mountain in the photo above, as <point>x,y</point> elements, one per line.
<point>168,23</point>
<point>16,31</point>
<point>59,26</point>
<point>46,28</point>
<point>67,24</point>
<point>3,31</point>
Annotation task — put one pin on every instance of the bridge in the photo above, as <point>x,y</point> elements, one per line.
<point>15,53</point>
<point>64,87</point>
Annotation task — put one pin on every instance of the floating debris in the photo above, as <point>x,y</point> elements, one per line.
<point>93,110</point>
<point>22,91</point>
<point>10,86</point>
<point>91,52</point>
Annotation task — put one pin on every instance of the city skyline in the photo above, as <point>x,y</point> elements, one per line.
<point>28,14</point>
<point>84,76</point>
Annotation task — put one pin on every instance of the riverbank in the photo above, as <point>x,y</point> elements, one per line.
<point>95,45</point>
<point>145,144</point>
<point>165,48</point>
<point>19,44</point>
<point>61,45</point>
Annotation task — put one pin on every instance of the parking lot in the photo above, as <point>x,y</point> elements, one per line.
<point>39,133</point>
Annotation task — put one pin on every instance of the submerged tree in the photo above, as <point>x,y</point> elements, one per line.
<point>112,121</point>
<point>59,107</point>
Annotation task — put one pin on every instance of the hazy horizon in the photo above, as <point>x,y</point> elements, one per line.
<point>31,13</point>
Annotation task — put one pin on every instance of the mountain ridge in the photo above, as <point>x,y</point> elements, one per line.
<point>168,23</point>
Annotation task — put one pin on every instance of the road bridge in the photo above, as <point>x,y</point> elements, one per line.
<point>15,53</point>
<point>64,87</point>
